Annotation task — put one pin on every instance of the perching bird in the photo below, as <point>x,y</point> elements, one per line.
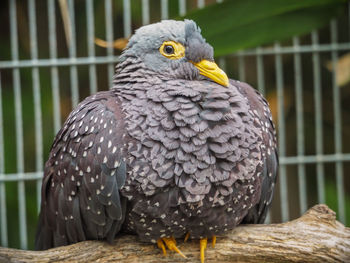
<point>174,149</point>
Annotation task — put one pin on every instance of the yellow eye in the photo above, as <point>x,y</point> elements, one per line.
<point>172,50</point>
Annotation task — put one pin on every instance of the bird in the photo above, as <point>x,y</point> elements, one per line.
<point>175,149</point>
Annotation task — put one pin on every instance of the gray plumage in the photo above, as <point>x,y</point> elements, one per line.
<point>165,152</point>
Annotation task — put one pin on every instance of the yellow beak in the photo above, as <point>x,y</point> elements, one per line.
<point>212,71</point>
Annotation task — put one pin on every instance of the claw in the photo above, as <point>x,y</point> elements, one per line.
<point>213,241</point>
<point>161,246</point>
<point>203,245</point>
<point>171,245</point>
<point>187,236</point>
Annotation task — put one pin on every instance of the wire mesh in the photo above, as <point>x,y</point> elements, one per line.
<point>72,62</point>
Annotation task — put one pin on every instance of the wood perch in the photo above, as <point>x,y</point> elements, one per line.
<point>314,237</point>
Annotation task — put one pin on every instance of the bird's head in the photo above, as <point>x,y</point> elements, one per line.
<point>175,49</point>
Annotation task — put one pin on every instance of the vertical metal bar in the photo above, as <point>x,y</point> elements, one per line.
<point>54,70</point>
<point>109,36</point>
<point>268,218</point>
<point>318,118</point>
<point>145,12</point>
<point>91,44</point>
<point>300,125</point>
<point>281,134</point>
<point>200,3</point>
<point>72,54</point>
<point>261,88</point>
<point>37,100</point>
<point>182,7</point>
<point>222,63</point>
<point>127,18</point>
<point>3,210</point>
<point>260,71</point>
<point>19,127</point>
<point>337,127</point>
<point>348,14</point>
<point>241,67</point>
<point>164,9</point>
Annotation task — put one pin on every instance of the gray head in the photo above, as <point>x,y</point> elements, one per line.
<point>175,49</point>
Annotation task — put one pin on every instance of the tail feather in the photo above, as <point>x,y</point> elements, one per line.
<point>44,235</point>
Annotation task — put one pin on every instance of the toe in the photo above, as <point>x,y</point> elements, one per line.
<point>203,245</point>
<point>171,245</point>
<point>187,236</point>
<point>213,241</point>
<point>161,245</point>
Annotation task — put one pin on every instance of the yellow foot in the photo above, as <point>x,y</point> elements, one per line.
<point>170,243</point>
<point>203,245</point>
<point>161,246</point>
<point>213,241</point>
<point>187,236</point>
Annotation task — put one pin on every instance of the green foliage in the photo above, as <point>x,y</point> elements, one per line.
<point>240,24</point>
<point>332,200</point>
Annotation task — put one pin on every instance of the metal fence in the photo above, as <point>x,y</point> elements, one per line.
<point>249,65</point>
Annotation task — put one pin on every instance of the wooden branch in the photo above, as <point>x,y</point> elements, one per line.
<point>314,237</point>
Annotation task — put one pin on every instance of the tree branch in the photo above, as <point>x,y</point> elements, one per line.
<point>314,237</point>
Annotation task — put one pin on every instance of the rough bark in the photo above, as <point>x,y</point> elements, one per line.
<point>314,237</point>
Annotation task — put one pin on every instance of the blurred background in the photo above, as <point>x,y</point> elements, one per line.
<point>54,53</point>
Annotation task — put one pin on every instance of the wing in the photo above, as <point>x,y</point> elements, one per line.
<point>260,107</point>
<point>82,178</point>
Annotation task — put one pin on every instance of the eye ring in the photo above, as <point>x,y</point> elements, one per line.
<point>172,50</point>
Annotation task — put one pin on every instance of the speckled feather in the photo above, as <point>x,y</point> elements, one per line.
<point>164,153</point>
<point>83,176</point>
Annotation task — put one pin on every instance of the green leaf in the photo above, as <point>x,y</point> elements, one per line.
<point>240,24</point>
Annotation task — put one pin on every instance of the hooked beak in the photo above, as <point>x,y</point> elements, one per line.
<point>211,70</point>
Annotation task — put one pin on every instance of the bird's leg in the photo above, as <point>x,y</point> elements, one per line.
<point>203,245</point>
<point>187,236</point>
<point>213,241</point>
<point>170,243</point>
<point>161,246</point>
